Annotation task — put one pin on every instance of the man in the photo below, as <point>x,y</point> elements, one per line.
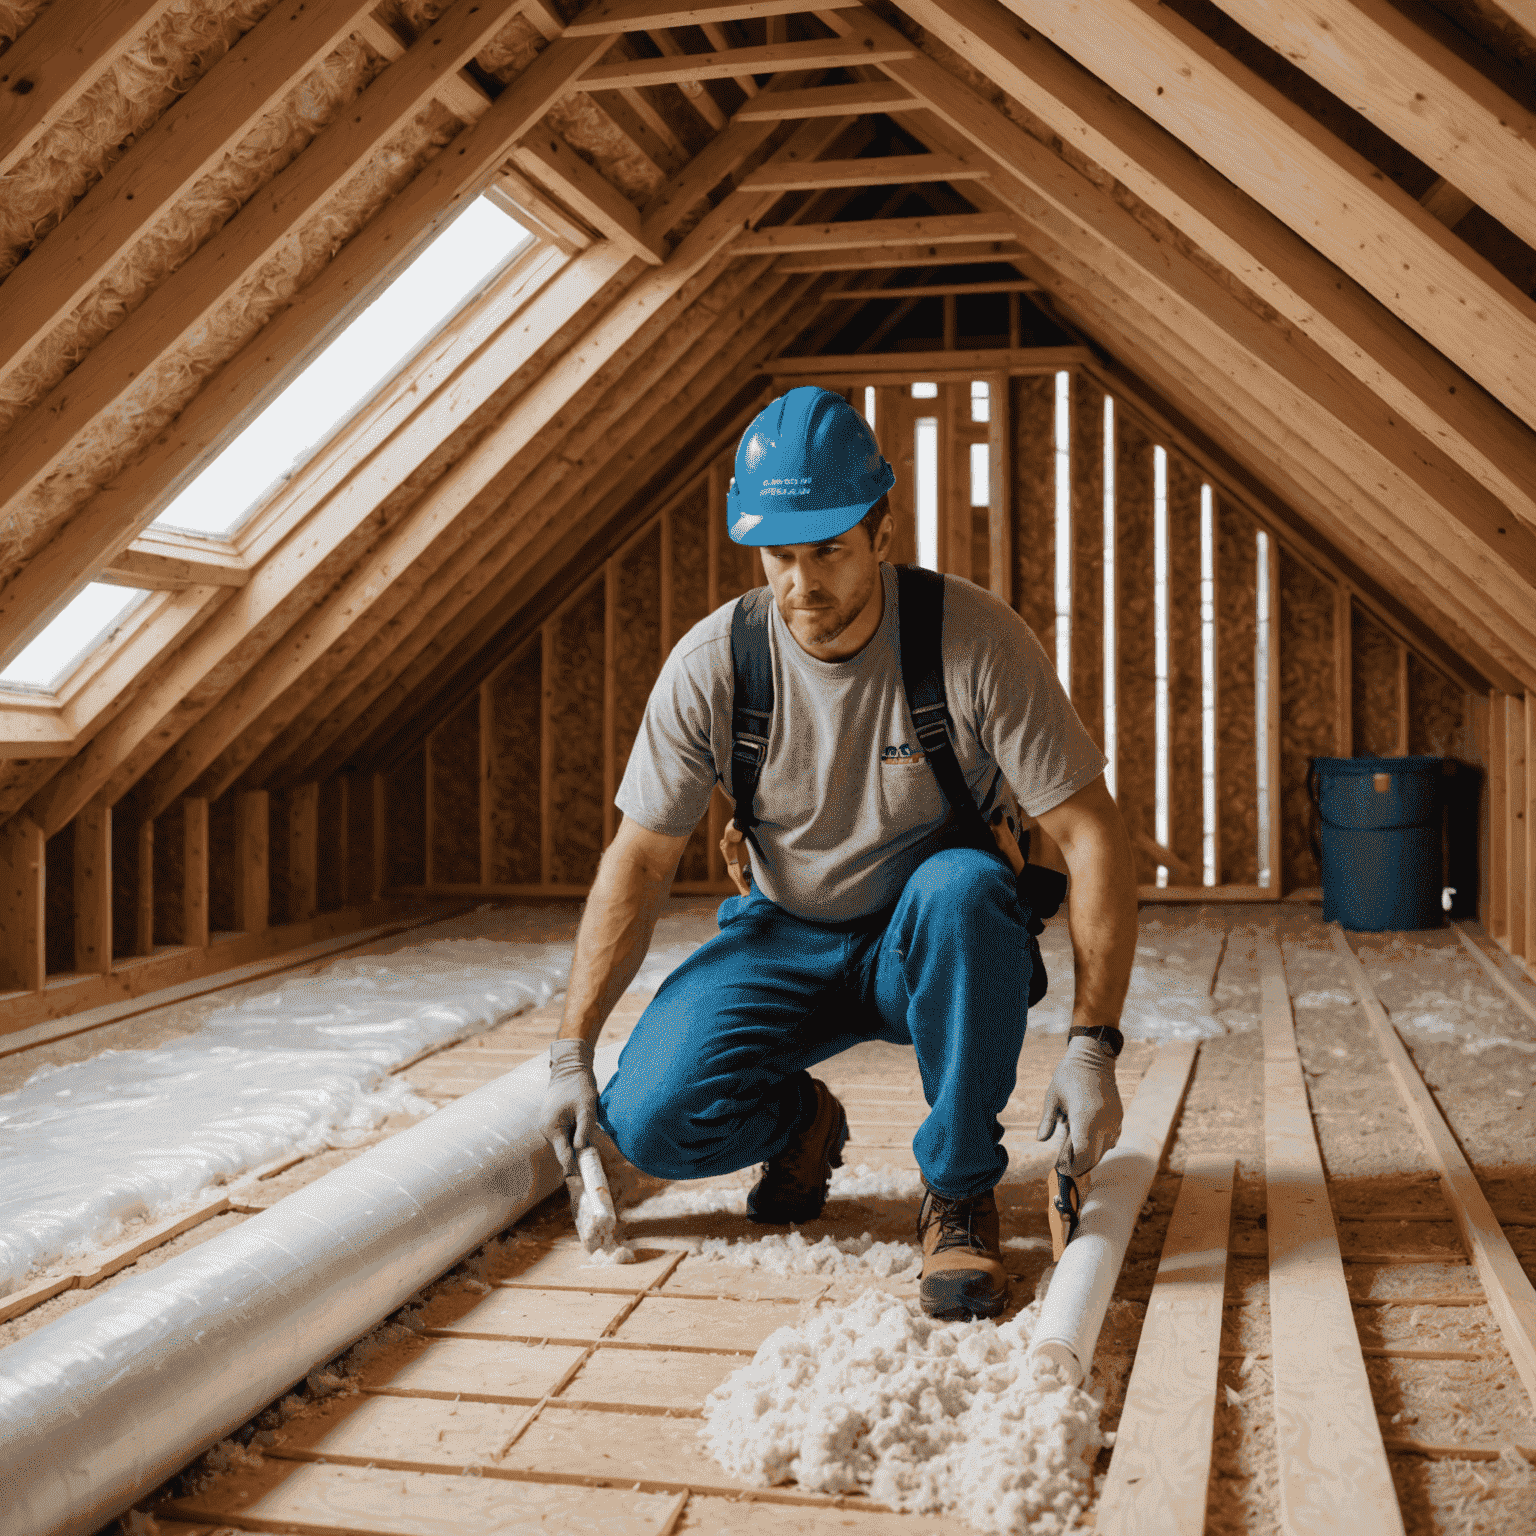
<point>867,921</point>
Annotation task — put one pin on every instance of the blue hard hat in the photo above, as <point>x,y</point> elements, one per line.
<point>807,469</point>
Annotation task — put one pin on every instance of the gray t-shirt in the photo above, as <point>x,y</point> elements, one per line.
<point>848,805</point>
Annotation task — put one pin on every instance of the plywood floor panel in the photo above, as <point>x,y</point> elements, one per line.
<point>645,1378</point>
<point>483,1368</point>
<point>524,1314</point>
<point>684,1323</point>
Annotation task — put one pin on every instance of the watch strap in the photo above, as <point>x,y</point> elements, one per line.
<point>1106,1034</point>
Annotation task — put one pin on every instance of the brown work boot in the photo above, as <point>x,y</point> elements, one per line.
<point>963,1275</point>
<point>793,1187</point>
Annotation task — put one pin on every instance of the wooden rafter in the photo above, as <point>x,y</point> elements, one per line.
<point>607,17</point>
<point>876,258</point>
<point>865,234</point>
<point>829,101</point>
<point>192,135</point>
<point>772,58</point>
<point>1386,355</point>
<point>1333,197</point>
<point>98,530</point>
<point>58,59</point>
<point>875,171</point>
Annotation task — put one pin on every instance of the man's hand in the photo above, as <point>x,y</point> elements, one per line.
<point>733,849</point>
<point>569,1114</point>
<point>1083,1093</point>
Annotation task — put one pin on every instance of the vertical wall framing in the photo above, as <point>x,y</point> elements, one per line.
<point>515,791</point>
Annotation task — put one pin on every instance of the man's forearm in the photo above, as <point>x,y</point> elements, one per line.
<point>615,933</point>
<point>1102,917</point>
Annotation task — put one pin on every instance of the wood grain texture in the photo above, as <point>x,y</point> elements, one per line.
<point>93,888</point>
<point>1516,874</point>
<point>303,839</point>
<point>253,878</point>
<point>637,641</point>
<point>1511,1296</point>
<point>169,876</point>
<point>1186,822</point>
<point>1327,1438</point>
<point>1135,636</point>
<point>455,748</point>
<point>359,864</point>
<point>405,800</point>
<point>1034,505</point>
<point>1498,819</point>
<point>514,781</point>
<point>1161,1466</point>
<point>1237,799</point>
<point>125,879</point>
<point>576,724</point>
<point>331,863</point>
<point>1437,711</point>
<point>1087,449</point>
<point>1373,659</point>
<point>1307,709</point>
<point>690,603</point>
<point>222,864</point>
<point>59,902</point>
<point>194,872</point>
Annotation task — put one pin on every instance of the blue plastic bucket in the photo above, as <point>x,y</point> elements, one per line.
<point>1380,840</point>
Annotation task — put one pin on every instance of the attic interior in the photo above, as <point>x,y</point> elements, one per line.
<point>370,382</point>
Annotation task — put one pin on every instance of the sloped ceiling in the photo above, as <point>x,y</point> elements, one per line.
<point>1303,233</point>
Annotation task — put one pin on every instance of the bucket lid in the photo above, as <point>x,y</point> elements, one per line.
<point>1367,767</point>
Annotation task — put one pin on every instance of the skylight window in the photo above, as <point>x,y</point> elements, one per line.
<point>478,243</point>
<point>88,620</point>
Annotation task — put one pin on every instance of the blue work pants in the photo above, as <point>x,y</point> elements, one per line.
<point>714,1077</point>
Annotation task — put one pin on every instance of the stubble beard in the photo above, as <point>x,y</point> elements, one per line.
<point>832,624</point>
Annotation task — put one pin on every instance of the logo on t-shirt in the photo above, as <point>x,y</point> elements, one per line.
<point>902,757</point>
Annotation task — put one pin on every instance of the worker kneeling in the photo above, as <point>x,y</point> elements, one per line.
<point>872,726</point>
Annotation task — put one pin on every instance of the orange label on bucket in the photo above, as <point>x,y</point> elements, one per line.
<point>1381,782</point>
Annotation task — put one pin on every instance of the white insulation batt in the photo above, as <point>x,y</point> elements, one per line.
<point>301,1064</point>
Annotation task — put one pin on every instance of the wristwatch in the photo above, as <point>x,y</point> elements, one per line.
<point>1106,1034</point>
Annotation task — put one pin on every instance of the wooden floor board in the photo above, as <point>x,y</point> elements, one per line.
<point>1161,1465</point>
<point>1328,1442</point>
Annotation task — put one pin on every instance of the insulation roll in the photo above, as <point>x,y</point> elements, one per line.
<point>1084,1279</point>
<point>99,1407</point>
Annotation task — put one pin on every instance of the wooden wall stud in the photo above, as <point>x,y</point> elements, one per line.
<point>1515,775</point>
<point>93,888</point>
<point>546,754</point>
<point>380,835</point>
<point>144,927</point>
<point>252,879</point>
<point>22,876</point>
<point>1000,477</point>
<point>1403,700</point>
<point>487,763</point>
<point>1528,820</point>
<point>610,695</point>
<point>1343,674</point>
<point>1498,819</point>
<point>303,852</point>
<point>194,907</point>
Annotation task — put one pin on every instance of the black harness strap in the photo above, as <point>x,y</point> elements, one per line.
<point>920,606</point>
<point>752,705</point>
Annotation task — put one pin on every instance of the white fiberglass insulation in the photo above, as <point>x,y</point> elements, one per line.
<point>924,1416</point>
<point>296,1065</point>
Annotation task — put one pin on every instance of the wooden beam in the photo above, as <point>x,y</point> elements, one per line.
<point>166,559</point>
<point>604,18</point>
<point>253,816</point>
<point>695,92</point>
<point>546,157</point>
<point>1161,1466</point>
<point>923,291</point>
<point>1386,355</point>
<point>1498,818</point>
<point>610,696</point>
<point>380,834</point>
<point>829,101</point>
<point>547,680</point>
<point>398,231</point>
<point>1516,875</point>
<point>873,171</point>
<point>57,59</point>
<point>194,906</point>
<point>1000,487</point>
<point>1329,194</point>
<point>909,367</point>
<point>537,212</point>
<point>885,258</point>
<point>23,871</point>
<point>93,888</point>
<point>163,162</point>
<point>866,234</point>
<point>185,301</point>
<point>775,58</point>
<point>1343,673</point>
<point>144,896</point>
<point>1327,1439</point>
<point>1447,204</point>
<point>1431,100</point>
<point>1511,1296</point>
<point>487,701</point>
<point>1528,822</point>
<point>1404,703</point>
<point>303,851</point>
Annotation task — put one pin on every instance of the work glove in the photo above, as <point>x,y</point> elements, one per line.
<point>1083,1093</point>
<point>569,1113</point>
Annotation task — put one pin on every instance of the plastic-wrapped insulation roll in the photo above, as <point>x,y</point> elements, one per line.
<point>99,1407</point>
<point>1084,1279</point>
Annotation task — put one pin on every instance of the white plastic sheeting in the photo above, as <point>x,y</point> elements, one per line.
<point>297,1065</point>
<point>108,1400</point>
